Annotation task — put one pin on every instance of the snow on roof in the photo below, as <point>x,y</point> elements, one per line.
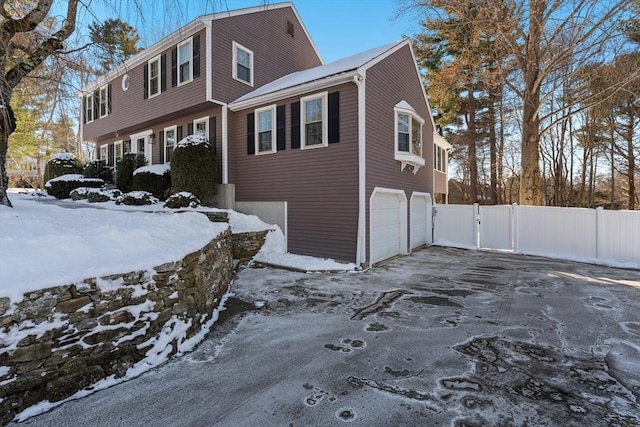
<point>154,169</point>
<point>317,73</point>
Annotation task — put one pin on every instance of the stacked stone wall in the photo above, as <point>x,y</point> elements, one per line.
<point>60,340</point>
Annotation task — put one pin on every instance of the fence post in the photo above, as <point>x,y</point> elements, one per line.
<point>514,227</point>
<point>476,225</point>
<point>599,232</point>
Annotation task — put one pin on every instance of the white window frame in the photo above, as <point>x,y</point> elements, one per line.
<point>115,151</point>
<point>237,46</point>
<point>173,128</point>
<point>181,61</point>
<point>103,100</point>
<point>104,153</point>
<point>325,122</point>
<point>272,109</point>
<point>408,158</point>
<point>88,108</point>
<point>150,78</point>
<point>148,149</point>
<point>204,120</point>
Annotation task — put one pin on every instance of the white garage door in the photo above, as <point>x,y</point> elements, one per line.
<point>388,232</point>
<point>420,219</point>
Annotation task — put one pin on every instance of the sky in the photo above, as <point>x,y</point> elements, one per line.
<point>339,28</point>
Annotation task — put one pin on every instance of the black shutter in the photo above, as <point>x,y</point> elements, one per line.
<point>109,99</point>
<point>161,143</point>
<point>295,124</point>
<point>111,155</point>
<point>190,129</point>
<point>84,109</point>
<point>174,67</point>
<point>334,117</point>
<point>281,111</point>
<point>179,134</point>
<point>145,74</point>
<point>212,133</point>
<point>196,56</point>
<point>96,104</point>
<point>251,137</point>
<point>163,72</point>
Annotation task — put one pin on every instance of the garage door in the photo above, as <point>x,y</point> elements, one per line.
<point>420,219</point>
<point>388,232</point>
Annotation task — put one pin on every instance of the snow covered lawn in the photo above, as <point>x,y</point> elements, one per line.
<point>43,243</point>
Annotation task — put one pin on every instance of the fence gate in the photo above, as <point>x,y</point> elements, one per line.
<point>496,227</point>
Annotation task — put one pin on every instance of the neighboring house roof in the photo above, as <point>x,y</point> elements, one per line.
<point>328,74</point>
<point>183,32</point>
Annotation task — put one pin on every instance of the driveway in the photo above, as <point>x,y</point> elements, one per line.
<point>441,337</point>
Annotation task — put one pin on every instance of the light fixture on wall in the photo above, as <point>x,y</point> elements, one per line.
<point>151,139</point>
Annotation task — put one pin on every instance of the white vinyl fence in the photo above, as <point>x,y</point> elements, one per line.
<point>590,235</point>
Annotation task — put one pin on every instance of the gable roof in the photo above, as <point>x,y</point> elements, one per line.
<point>182,33</point>
<point>336,72</point>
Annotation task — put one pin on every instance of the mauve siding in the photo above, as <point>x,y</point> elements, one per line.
<point>392,80</point>
<point>275,53</point>
<point>130,109</point>
<point>440,182</point>
<point>320,184</point>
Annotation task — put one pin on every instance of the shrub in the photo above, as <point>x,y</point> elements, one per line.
<point>61,164</point>
<point>193,169</point>
<point>61,187</point>
<point>125,168</point>
<point>95,194</point>
<point>97,168</point>
<point>182,200</point>
<point>155,179</point>
<point>137,198</point>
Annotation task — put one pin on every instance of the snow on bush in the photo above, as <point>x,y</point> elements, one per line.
<point>154,169</point>
<point>183,199</point>
<point>61,157</point>
<point>137,198</point>
<point>193,140</point>
<point>95,194</point>
<point>61,187</point>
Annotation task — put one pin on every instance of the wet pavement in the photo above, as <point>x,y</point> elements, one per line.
<point>441,337</point>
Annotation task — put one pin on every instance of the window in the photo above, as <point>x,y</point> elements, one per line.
<point>126,80</point>
<point>117,150</point>
<point>104,101</point>
<point>88,108</point>
<point>408,136</point>
<point>169,142</point>
<point>314,121</point>
<point>154,76</point>
<point>242,64</point>
<point>201,127</point>
<point>185,72</point>
<point>439,158</point>
<point>104,153</point>
<point>266,130</point>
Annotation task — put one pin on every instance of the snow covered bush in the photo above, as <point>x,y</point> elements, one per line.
<point>137,198</point>
<point>182,199</point>
<point>61,187</point>
<point>156,179</point>
<point>193,169</point>
<point>61,164</point>
<point>125,168</point>
<point>94,195</point>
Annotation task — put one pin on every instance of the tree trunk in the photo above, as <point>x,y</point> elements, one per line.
<point>631,204</point>
<point>493,155</point>
<point>7,127</point>
<point>472,136</point>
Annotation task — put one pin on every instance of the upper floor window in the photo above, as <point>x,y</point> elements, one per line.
<point>103,101</point>
<point>154,76</point>
<point>242,64</point>
<point>201,126</point>
<point>439,158</point>
<point>408,136</point>
<point>88,108</point>
<point>170,136</point>
<point>185,69</point>
<point>314,121</point>
<point>266,130</point>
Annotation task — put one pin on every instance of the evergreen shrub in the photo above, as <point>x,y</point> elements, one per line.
<point>193,169</point>
<point>124,170</point>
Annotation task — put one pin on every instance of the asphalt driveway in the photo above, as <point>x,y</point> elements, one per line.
<point>441,337</point>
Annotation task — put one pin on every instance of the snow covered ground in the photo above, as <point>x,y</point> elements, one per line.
<point>44,243</point>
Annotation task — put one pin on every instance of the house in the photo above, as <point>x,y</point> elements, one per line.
<point>347,149</point>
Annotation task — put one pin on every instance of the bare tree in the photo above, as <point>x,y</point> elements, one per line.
<point>17,60</point>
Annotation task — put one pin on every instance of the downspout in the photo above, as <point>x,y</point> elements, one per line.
<point>361,247</point>
<point>225,146</point>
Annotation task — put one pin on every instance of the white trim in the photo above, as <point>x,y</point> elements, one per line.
<point>173,128</point>
<point>272,109</point>
<point>157,59</point>
<point>427,219</point>
<point>115,154</point>
<point>125,82</point>
<point>225,145</point>
<point>234,63</point>
<point>189,41</point>
<point>147,143</point>
<point>104,147</point>
<point>104,88</point>
<point>403,249</point>
<point>209,60</point>
<point>86,109</point>
<point>323,96</point>
<point>408,157</point>
<point>361,246</point>
<point>205,120</point>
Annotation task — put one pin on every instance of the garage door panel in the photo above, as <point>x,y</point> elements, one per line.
<point>420,220</point>
<point>387,228</point>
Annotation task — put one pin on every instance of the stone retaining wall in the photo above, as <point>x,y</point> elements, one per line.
<point>60,340</point>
